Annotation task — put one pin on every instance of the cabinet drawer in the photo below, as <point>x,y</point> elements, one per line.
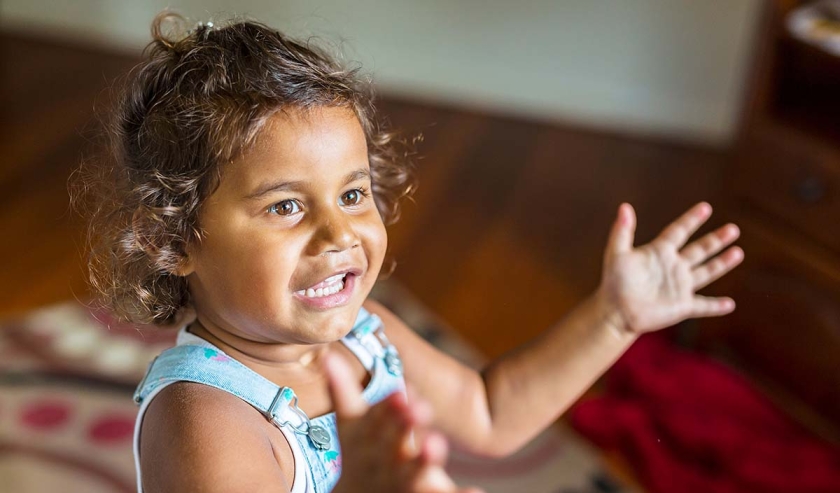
<point>792,179</point>
<point>787,324</point>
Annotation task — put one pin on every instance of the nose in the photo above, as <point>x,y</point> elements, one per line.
<point>334,233</point>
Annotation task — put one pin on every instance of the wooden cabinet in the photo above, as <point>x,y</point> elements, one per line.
<point>792,178</point>
<point>783,189</point>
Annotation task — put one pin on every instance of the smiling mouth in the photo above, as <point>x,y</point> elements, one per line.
<point>328,287</point>
<point>333,292</point>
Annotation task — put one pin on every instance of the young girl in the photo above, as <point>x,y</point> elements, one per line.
<point>246,204</point>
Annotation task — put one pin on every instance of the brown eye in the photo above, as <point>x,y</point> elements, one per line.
<point>351,197</point>
<point>284,208</point>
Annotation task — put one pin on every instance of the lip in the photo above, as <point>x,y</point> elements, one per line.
<point>340,298</point>
<point>337,272</point>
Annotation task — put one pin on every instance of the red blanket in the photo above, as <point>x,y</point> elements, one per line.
<point>690,424</point>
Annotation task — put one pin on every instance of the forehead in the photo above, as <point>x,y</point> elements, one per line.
<point>302,144</point>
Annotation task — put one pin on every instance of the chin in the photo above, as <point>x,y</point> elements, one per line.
<point>332,325</point>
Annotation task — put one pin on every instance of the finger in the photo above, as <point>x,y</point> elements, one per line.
<point>345,391</point>
<point>394,420</point>
<point>398,424</point>
<point>704,306</point>
<point>699,251</point>
<point>419,415</point>
<point>679,231</point>
<point>716,268</point>
<point>410,413</point>
<point>623,231</point>
<point>431,475</point>
<point>420,412</point>
<point>420,409</point>
<point>433,480</point>
<point>434,450</point>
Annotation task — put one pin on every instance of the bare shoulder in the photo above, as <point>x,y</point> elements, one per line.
<point>195,437</point>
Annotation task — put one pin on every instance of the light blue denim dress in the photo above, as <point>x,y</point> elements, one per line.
<point>314,442</point>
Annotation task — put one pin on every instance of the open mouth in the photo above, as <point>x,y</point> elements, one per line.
<point>327,287</point>
<point>333,292</point>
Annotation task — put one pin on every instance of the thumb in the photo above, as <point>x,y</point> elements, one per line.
<point>345,392</point>
<point>623,231</point>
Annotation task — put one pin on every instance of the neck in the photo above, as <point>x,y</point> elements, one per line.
<point>276,361</point>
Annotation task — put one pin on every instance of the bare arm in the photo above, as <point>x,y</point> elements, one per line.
<point>500,409</point>
<point>514,398</point>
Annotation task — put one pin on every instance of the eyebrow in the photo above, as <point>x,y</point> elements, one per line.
<point>282,186</point>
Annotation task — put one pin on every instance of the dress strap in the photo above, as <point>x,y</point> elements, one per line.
<point>210,366</point>
<point>199,361</point>
<point>368,342</point>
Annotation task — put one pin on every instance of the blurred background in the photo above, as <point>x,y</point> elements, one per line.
<point>539,119</point>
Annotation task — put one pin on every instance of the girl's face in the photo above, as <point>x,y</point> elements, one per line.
<point>293,240</point>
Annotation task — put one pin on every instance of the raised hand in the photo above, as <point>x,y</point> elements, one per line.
<point>654,286</point>
<point>377,443</point>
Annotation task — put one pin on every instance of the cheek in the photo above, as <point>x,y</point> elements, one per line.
<point>251,262</point>
<point>377,239</point>
<point>272,259</point>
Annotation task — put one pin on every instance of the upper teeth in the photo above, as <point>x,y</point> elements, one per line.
<point>334,278</point>
<point>333,285</point>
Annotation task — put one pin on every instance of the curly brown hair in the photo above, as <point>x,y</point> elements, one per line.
<point>196,101</point>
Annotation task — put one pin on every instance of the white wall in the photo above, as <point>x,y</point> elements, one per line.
<point>666,67</point>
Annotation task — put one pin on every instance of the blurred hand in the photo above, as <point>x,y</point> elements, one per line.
<point>654,286</point>
<point>377,445</point>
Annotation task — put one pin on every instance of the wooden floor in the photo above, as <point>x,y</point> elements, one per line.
<point>505,235</point>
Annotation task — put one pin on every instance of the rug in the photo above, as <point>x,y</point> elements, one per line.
<point>67,374</point>
<point>693,424</point>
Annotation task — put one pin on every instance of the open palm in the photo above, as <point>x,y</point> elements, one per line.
<point>654,286</point>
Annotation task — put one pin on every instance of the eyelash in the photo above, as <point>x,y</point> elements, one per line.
<point>273,208</point>
<point>364,192</point>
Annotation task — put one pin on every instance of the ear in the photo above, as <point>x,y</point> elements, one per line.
<point>186,267</point>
